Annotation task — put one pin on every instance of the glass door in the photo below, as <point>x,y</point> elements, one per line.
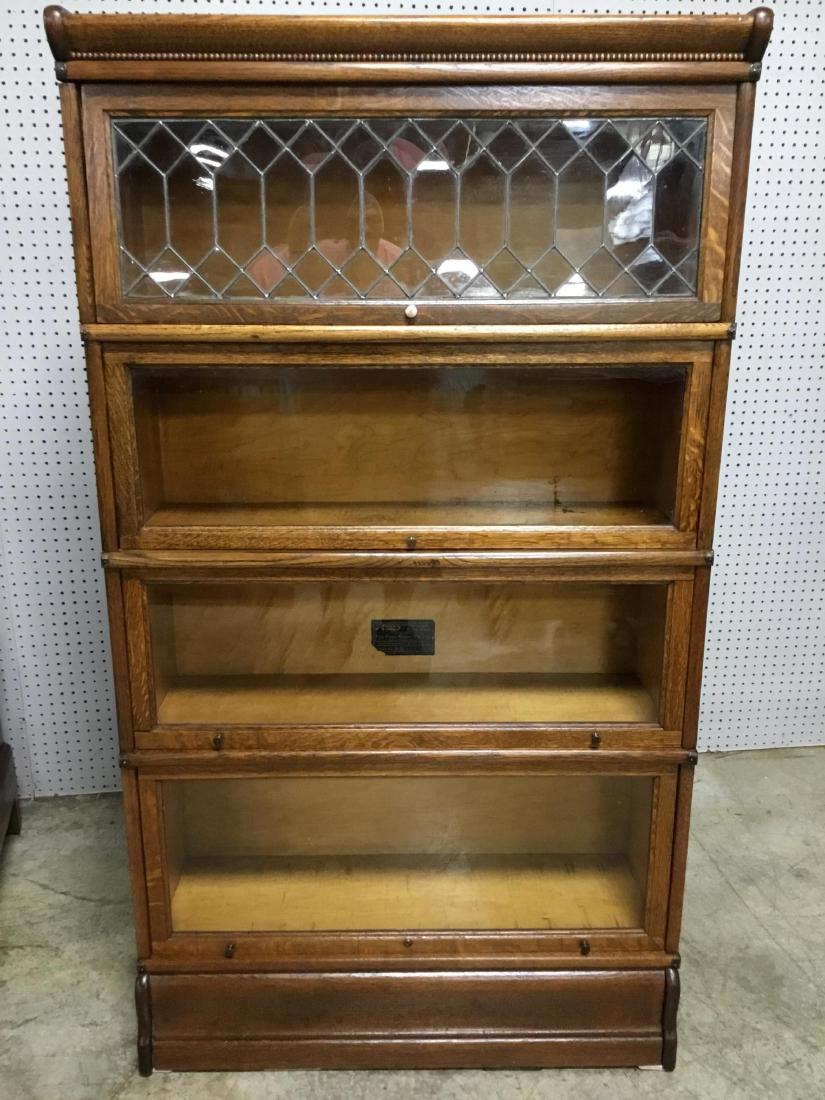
<point>535,446</point>
<point>458,200</point>
<point>418,208</point>
<point>355,852</point>
<point>407,653</point>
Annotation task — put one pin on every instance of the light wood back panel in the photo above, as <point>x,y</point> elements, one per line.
<point>316,628</point>
<point>356,815</point>
<point>492,436</point>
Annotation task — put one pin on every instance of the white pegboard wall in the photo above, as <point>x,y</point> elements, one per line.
<point>764,679</point>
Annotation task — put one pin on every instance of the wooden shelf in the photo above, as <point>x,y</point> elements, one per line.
<point>405,698</point>
<point>411,514</point>
<point>407,892</point>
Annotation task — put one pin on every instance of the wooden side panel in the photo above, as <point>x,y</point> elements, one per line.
<point>745,102</point>
<point>119,627</point>
<point>137,863</point>
<point>76,175</point>
<point>679,860</point>
<point>101,439</point>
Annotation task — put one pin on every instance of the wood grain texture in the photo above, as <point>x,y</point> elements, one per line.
<point>154,419</point>
<point>693,641</point>
<point>604,528</point>
<point>745,105</point>
<point>310,895</point>
<point>681,835</point>
<point>716,218</point>
<point>204,953</point>
<point>543,351</point>
<point>71,113</point>
<point>102,102</point>
<point>625,38</point>
<point>310,761</point>
<point>102,443</point>
<point>671,1008</point>
<point>610,713</point>
<point>137,865</point>
<point>528,1018</point>
<point>114,310</point>
<point>613,736</point>
<point>713,449</point>
<point>426,447</point>
<point>143,1008</point>
<point>362,1005</point>
<point>524,1052</point>
<point>119,627</point>
<point>470,565</point>
<point>214,810</point>
<point>436,700</point>
<point>320,334</point>
<point>141,668</point>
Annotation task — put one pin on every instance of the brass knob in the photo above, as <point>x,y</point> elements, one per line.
<point>411,312</point>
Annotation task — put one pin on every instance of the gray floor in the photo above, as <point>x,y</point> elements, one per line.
<point>753,1011</point>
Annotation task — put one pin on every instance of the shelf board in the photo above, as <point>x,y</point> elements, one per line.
<point>405,698</point>
<point>326,893</point>
<point>405,514</point>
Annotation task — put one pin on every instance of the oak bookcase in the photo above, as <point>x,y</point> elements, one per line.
<point>407,345</point>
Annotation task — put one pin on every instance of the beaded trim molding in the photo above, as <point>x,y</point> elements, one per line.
<point>406,57</point>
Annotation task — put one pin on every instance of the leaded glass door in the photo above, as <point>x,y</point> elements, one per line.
<point>470,212</point>
<point>348,208</point>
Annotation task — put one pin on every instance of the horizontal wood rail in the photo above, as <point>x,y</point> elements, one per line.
<point>227,764</point>
<point>343,334</point>
<point>337,561</point>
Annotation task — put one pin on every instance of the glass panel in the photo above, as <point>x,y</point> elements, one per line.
<point>376,652</point>
<point>430,445</point>
<point>419,208</point>
<point>407,852</point>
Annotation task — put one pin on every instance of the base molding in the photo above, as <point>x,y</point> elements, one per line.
<point>521,1052</point>
<point>410,1020</point>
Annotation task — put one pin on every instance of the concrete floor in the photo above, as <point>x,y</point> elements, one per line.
<point>752,1022</point>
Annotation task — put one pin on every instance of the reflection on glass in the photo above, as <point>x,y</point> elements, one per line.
<point>396,208</point>
<point>352,853</point>
<point>438,446</point>
<point>377,652</point>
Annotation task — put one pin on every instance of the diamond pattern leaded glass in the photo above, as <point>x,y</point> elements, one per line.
<point>409,208</point>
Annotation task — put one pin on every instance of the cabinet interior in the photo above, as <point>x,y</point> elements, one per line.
<point>304,653</point>
<point>429,446</point>
<point>407,852</point>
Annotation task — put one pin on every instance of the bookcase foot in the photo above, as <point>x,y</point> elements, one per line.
<point>671,1008</point>
<point>143,1006</point>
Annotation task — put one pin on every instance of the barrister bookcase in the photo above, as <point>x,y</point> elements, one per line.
<point>407,345</point>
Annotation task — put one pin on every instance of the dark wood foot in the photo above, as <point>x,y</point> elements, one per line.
<point>143,1006</point>
<point>9,806</point>
<point>671,1009</point>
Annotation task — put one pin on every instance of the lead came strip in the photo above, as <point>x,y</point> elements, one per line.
<point>376,209</point>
